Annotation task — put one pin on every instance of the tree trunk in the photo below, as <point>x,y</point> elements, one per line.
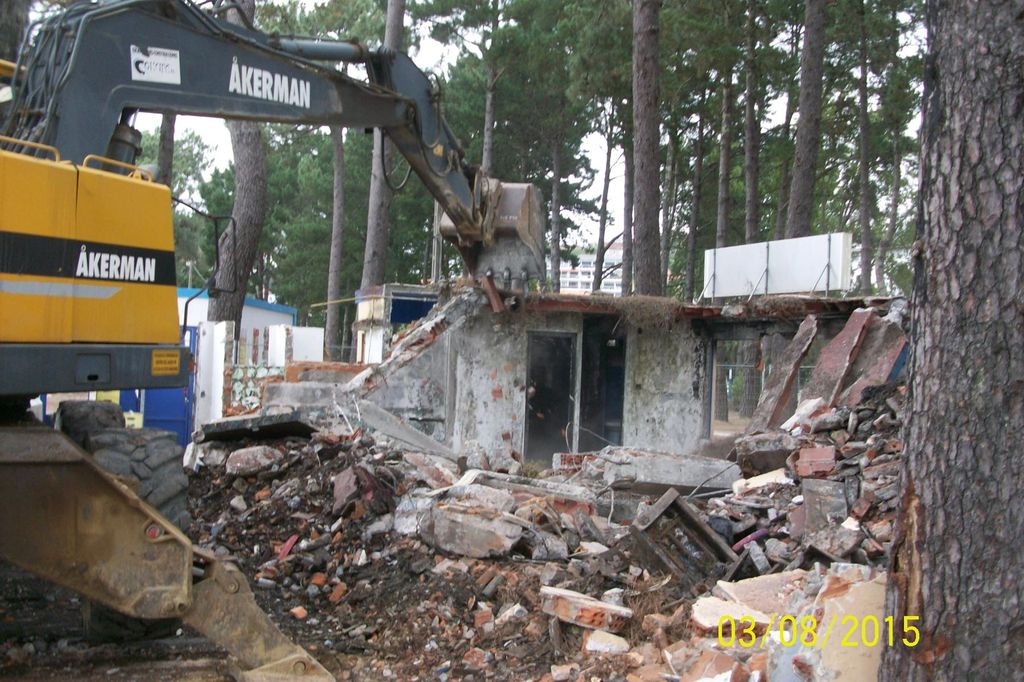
<point>331,340</point>
<point>752,132</point>
<point>784,176</point>
<point>556,212</point>
<point>165,152</point>
<point>956,563</point>
<point>603,219</point>
<point>894,219</point>
<point>864,170</point>
<point>751,350</point>
<point>238,249</point>
<point>627,220</point>
<point>724,164</point>
<point>751,378</point>
<point>646,172</point>
<point>698,183</point>
<point>13,20</point>
<point>808,127</point>
<point>784,167</point>
<point>378,220</point>
<point>668,207</point>
<point>722,226</point>
<point>721,388</point>
<point>487,160</point>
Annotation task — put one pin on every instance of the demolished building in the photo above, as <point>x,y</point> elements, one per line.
<point>551,373</point>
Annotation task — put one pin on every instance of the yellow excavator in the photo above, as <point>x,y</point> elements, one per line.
<point>87,282</point>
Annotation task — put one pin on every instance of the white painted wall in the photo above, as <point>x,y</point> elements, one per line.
<point>307,344</point>
<point>210,355</point>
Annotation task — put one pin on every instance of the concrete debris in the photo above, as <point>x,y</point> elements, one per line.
<point>835,358</point>
<point>434,471</point>
<point>766,593</point>
<point>641,471</point>
<point>280,424</point>
<point>470,531</point>
<point>387,424</point>
<point>763,452</point>
<point>778,389</point>
<point>746,485</point>
<point>252,460</point>
<point>709,613</point>
<point>601,642</point>
<point>580,609</point>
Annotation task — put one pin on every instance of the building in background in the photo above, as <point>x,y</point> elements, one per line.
<point>383,310</point>
<point>580,279</point>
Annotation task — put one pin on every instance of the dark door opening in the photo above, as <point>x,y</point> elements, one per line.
<point>550,385</point>
<point>602,383</point>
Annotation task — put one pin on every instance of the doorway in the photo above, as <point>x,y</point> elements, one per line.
<point>602,383</point>
<point>550,388</point>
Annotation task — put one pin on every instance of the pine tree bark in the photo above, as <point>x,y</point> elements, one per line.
<point>956,562</point>
<point>698,184</point>
<point>602,224</point>
<point>646,137</point>
<point>332,343</point>
<point>378,219</point>
<point>165,151</point>
<point>556,214</point>
<point>238,249</point>
<point>627,220</point>
<point>864,165</point>
<point>808,127</point>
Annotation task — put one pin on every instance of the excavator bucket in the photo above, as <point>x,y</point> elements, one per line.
<point>64,518</point>
<point>511,243</point>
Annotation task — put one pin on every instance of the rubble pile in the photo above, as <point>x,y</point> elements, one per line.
<point>374,545</point>
<point>834,498</point>
<point>362,547</point>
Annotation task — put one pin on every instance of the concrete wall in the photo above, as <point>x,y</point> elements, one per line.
<point>490,361</point>
<point>665,388</point>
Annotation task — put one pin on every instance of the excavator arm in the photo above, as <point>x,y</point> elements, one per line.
<point>94,65</point>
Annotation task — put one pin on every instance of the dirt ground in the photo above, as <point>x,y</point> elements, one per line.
<point>41,638</point>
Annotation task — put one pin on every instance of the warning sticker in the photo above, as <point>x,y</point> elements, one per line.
<point>155,65</point>
<point>165,363</point>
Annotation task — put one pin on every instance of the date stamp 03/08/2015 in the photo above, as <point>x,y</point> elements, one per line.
<point>849,631</point>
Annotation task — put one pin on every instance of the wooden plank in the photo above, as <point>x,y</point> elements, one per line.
<point>720,549</point>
